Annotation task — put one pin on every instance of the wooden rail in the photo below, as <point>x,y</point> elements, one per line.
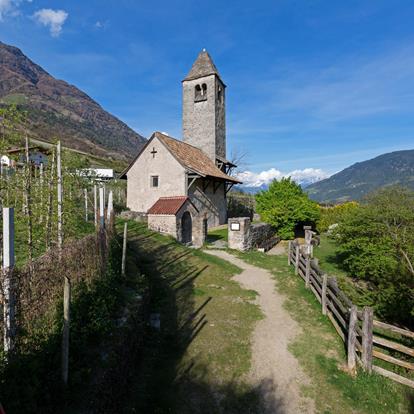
<point>366,339</point>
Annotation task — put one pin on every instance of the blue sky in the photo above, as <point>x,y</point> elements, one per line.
<point>312,85</point>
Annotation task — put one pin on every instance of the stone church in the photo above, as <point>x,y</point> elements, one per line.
<point>181,185</point>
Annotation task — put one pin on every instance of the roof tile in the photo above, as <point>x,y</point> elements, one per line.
<point>168,205</point>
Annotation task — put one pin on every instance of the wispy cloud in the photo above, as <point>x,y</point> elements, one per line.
<point>353,88</point>
<point>10,8</point>
<point>304,177</point>
<point>53,19</point>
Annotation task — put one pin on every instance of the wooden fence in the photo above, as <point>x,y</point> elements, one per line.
<point>373,345</point>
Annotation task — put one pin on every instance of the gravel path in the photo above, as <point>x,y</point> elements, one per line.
<point>274,369</point>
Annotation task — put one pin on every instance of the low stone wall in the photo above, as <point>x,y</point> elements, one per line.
<point>259,233</point>
<point>246,236</point>
<point>134,215</point>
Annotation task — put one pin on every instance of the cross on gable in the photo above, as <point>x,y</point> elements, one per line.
<point>153,152</point>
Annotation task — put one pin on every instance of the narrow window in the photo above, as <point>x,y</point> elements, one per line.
<point>200,93</point>
<point>220,94</point>
<point>154,180</point>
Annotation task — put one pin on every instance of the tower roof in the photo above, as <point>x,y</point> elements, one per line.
<point>203,66</point>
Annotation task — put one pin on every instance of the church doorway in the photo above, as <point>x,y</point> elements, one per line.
<point>186,228</point>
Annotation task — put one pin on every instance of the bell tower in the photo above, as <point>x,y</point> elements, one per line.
<point>204,113</point>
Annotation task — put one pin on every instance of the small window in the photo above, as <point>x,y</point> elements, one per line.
<point>220,94</point>
<point>200,92</point>
<point>154,180</point>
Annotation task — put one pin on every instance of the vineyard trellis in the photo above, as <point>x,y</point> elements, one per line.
<point>45,218</point>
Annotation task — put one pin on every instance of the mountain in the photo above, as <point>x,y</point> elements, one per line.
<point>58,109</point>
<point>356,181</point>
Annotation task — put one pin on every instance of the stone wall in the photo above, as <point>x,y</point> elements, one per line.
<point>246,236</point>
<point>211,204</point>
<point>134,215</point>
<point>204,120</point>
<point>165,224</point>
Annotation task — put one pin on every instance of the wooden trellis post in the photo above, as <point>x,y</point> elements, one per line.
<point>86,203</point>
<point>101,207</point>
<point>8,288</point>
<point>352,338</point>
<point>95,205</point>
<point>110,206</point>
<point>124,248</point>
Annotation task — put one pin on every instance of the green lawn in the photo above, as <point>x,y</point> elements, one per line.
<point>217,234</point>
<point>321,352</point>
<point>196,362</point>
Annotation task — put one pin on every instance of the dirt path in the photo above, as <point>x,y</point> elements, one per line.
<point>274,368</point>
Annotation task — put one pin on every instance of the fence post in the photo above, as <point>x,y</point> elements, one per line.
<point>352,338</point>
<point>323,297</point>
<point>367,338</point>
<point>86,203</point>
<point>289,251</point>
<point>307,270</point>
<point>66,330</point>
<point>101,207</point>
<point>124,247</point>
<point>8,288</point>
<point>297,259</point>
<point>95,205</point>
<point>110,206</point>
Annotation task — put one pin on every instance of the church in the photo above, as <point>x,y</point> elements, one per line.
<point>181,186</point>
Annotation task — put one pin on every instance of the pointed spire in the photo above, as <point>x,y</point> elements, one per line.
<point>203,66</point>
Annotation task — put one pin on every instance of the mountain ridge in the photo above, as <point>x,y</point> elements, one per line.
<point>361,178</point>
<point>58,109</point>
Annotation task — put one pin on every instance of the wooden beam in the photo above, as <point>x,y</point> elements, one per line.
<point>191,183</point>
<point>230,186</point>
<point>393,376</point>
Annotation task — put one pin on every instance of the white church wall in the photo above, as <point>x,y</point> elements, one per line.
<point>140,194</point>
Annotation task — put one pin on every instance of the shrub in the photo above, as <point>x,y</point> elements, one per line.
<point>376,243</point>
<point>335,214</point>
<point>285,205</point>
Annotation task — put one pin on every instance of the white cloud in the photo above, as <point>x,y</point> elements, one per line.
<point>7,7</point>
<point>54,19</point>
<point>10,8</point>
<point>304,177</point>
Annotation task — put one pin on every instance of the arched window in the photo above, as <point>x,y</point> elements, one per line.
<point>200,93</point>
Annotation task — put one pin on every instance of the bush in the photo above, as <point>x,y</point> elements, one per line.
<point>333,215</point>
<point>376,243</point>
<point>285,205</point>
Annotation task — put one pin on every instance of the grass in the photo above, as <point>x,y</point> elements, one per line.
<point>321,353</point>
<point>220,233</point>
<point>196,362</point>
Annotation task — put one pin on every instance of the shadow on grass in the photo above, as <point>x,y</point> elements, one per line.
<point>163,383</point>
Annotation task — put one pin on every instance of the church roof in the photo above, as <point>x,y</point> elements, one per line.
<point>168,205</point>
<point>193,158</point>
<point>203,66</point>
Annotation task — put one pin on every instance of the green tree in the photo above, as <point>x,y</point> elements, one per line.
<point>285,205</point>
<point>376,243</point>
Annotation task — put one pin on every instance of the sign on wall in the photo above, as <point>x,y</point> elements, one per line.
<point>235,226</point>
